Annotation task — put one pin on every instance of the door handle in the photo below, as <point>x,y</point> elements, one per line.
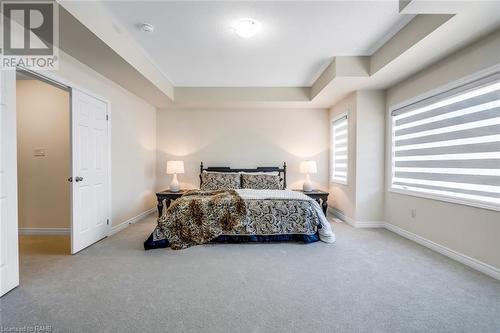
<point>78,179</point>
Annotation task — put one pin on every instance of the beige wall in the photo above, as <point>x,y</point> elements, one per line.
<point>133,140</point>
<point>361,199</point>
<point>343,196</point>
<point>43,122</point>
<point>243,138</point>
<point>474,232</point>
<point>370,136</point>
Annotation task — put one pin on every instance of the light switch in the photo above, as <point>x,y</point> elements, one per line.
<point>40,152</point>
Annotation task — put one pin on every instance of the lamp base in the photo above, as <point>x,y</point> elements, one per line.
<point>307,186</point>
<point>174,185</point>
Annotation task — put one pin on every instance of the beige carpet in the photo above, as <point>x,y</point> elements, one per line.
<point>369,281</point>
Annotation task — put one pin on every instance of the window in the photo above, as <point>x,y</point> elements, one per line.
<point>448,147</point>
<point>339,150</point>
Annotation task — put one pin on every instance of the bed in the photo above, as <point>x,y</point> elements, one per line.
<point>240,205</point>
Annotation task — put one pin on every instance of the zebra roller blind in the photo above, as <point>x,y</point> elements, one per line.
<point>448,146</point>
<point>339,150</point>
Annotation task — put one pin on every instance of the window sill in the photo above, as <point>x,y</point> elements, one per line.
<point>445,199</point>
<point>335,181</point>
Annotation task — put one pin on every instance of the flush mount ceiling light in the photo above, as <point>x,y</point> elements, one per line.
<point>246,28</point>
<point>146,27</point>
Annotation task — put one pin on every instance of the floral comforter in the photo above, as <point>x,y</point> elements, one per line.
<point>259,213</point>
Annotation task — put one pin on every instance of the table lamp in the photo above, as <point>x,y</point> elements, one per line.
<point>174,168</point>
<point>308,167</point>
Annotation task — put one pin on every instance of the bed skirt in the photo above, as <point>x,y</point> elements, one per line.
<point>150,244</point>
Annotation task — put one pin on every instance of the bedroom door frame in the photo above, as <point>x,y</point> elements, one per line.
<point>9,239</point>
<point>54,79</point>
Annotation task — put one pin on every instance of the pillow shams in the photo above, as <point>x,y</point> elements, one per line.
<point>213,181</point>
<point>260,181</point>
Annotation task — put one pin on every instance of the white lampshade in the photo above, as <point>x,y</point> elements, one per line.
<point>174,167</point>
<point>308,167</point>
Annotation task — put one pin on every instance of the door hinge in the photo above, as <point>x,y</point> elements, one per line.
<point>107,221</point>
<point>107,117</point>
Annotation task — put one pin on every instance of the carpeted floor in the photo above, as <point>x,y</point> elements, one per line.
<point>41,245</point>
<point>371,280</point>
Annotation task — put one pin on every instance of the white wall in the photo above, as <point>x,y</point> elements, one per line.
<point>43,122</point>
<point>133,141</point>
<point>244,138</point>
<point>474,232</point>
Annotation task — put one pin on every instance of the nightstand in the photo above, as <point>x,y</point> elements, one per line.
<point>169,197</point>
<point>319,196</point>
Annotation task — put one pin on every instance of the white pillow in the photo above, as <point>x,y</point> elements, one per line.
<point>271,173</point>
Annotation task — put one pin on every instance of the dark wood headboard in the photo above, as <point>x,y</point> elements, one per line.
<point>281,171</point>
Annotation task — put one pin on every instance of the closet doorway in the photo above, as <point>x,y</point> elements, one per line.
<point>43,114</point>
<point>64,169</point>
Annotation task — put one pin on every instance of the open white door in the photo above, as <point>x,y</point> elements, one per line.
<point>90,181</point>
<point>9,256</point>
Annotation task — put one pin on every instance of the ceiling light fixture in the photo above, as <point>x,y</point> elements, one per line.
<point>146,27</point>
<point>246,28</point>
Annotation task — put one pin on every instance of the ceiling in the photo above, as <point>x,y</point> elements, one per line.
<point>194,45</point>
<point>310,54</point>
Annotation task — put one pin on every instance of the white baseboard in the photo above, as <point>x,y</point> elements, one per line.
<point>462,258</point>
<point>370,224</point>
<point>341,216</point>
<point>337,213</point>
<point>67,231</point>
<point>44,231</point>
<point>117,228</point>
<point>353,223</point>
